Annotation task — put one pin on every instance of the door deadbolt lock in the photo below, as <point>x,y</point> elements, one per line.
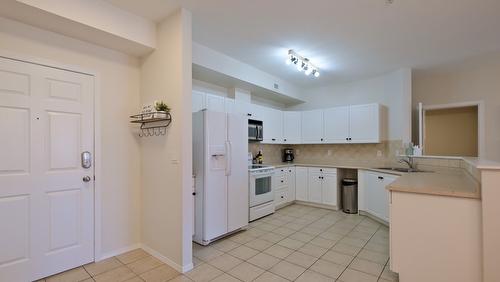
<point>86,159</point>
<point>86,178</point>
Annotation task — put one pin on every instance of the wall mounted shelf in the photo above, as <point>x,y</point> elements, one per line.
<point>153,123</point>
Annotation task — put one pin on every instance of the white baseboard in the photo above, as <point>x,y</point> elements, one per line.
<point>374,217</point>
<point>118,252</point>
<point>182,269</point>
<point>322,206</point>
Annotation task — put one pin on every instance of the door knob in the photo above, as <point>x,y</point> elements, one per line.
<point>86,178</point>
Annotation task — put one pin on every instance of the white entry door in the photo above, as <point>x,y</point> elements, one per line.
<point>46,206</point>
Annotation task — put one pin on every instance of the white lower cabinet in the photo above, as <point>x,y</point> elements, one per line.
<point>315,191</point>
<point>373,195</point>
<point>301,185</point>
<point>329,189</point>
<point>284,185</point>
<point>322,186</point>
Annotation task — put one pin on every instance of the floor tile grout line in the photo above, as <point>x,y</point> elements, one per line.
<point>323,229</point>
<point>330,249</point>
<point>359,252</point>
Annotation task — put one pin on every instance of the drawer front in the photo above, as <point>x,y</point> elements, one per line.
<point>322,170</point>
<point>281,181</point>
<point>280,197</point>
<point>280,171</point>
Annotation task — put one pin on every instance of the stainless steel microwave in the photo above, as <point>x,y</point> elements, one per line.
<point>255,130</point>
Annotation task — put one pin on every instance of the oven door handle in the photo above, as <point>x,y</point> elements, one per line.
<point>228,158</point>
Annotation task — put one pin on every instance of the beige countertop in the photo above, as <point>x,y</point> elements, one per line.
<point>452,183</point>
<point>457,184</point>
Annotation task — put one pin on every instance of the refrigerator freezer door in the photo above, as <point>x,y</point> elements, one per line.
<point>237,179</point>
<point>215,186</point>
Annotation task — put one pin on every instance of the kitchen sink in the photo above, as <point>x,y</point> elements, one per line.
<point>402,169</point>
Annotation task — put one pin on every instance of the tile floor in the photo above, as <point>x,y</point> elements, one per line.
<point>134,266</point>
<point>297,243</point>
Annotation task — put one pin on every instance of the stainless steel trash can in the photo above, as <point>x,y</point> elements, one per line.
<point>349,195</point>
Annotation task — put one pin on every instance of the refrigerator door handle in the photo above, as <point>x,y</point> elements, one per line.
<point>228,158</point>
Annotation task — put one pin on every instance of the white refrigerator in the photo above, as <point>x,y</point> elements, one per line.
<point>220,148</point>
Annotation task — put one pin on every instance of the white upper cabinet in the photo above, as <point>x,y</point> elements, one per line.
<point>215,103</point>
<point>273,125</point>
<point>292,127</point>
<point>249,110</point>
<point>312,127</point>
<point>229,105</point>
<point>336,124</point>
<point>198,101</point>
<point>364,123</point>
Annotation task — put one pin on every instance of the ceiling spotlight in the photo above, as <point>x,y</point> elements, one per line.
<point>302,64</point>
<point>308,71</point>
<point>299,65</point>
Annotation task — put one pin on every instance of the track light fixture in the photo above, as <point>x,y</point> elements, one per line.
<point>301,63</point>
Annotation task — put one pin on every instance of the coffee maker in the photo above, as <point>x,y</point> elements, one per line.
<point>288,155</point>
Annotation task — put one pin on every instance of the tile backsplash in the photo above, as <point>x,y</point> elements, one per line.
<point>385,154</point>
<point>381,154</point>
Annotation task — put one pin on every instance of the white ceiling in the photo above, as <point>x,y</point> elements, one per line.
<point>347,39</point>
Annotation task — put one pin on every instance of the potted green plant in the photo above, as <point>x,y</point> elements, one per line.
<point>162,109</point>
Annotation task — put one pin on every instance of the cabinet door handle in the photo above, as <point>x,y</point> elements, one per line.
<point>282,197</point>
<point>321,139</point>
<point>273,139</point>
<point>248,114</point>
<point>284,140</point>
<point>381,178</point>
<point>281,181</point>
<point>320,169</point>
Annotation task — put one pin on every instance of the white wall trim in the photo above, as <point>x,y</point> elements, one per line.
<point>97,134</point>
<point>164,259</point>
<point>480,119</point>
<point>119,251</point>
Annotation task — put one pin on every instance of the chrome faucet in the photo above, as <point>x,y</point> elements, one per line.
<point>409,162</point>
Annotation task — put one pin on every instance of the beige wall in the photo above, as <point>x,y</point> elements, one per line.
<point>451,132</point>
<point>476,79</point>
<point>167,160</point>
<point>119,90</point>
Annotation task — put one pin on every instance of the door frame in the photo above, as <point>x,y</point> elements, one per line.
<point>480,120</point>
<point>25,58</point>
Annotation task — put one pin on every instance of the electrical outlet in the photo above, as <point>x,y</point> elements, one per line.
<point>297,151</point>
<point>329,152</point>
<point>379,153</point>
